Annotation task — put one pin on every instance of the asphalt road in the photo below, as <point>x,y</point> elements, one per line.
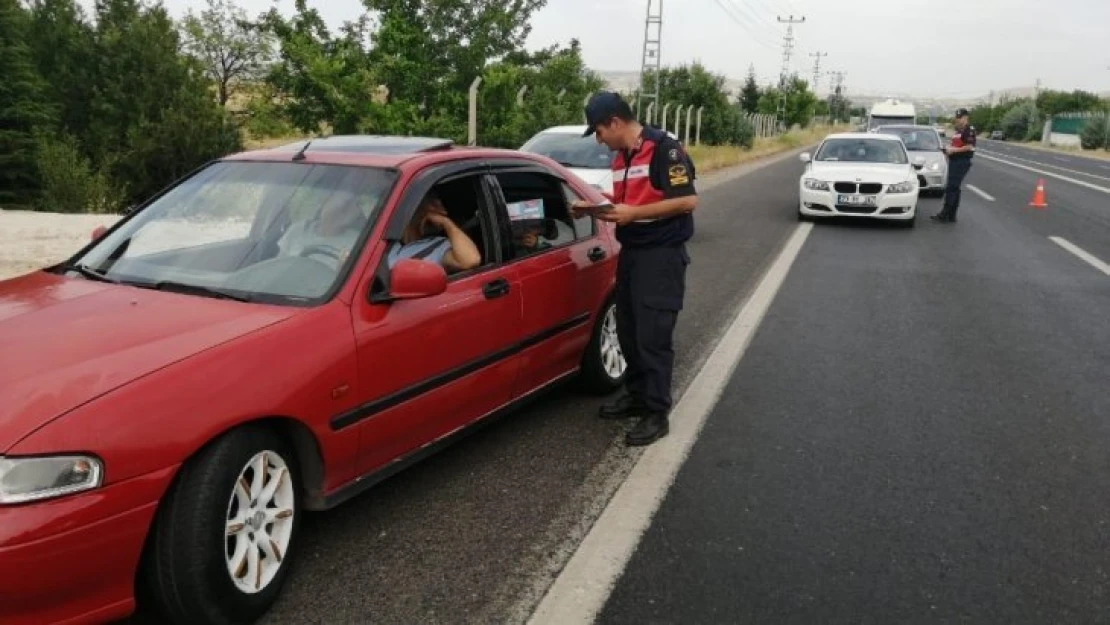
<point>917,433</point>
<point>1087,168</point>
<point>477,533</point>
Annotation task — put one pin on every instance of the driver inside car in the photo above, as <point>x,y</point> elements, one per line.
<point>432,236</point>
<point>328,237</point>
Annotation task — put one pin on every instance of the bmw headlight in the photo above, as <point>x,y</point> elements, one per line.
<point>814,184</point>
<point>32,479</point>
<point>901,187</point>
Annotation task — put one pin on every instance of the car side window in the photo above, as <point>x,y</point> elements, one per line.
<point>464,203</point>
<point>538,212</point>
<point>584,226</point>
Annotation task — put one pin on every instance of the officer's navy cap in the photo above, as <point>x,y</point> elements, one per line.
<point>602,107</point>
<point>961,112</point>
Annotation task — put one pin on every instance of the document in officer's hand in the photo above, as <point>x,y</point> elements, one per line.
<point>597,209</point>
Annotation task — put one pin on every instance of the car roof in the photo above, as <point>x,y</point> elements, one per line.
<point>379,151</point>
<point>862,135</point>
<point>565,130</point>
<point>906,126</point>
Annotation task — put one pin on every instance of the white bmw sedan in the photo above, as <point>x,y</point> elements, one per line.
<point>859,174</point>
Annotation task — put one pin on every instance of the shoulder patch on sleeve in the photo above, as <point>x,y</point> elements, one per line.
<point>678,175</point>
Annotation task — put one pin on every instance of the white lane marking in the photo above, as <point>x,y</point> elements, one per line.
<point>584,585</point>
<point>1051,174</point>
<point>1090,258</point>
<point>1070,171</point>
<point>983,194</point>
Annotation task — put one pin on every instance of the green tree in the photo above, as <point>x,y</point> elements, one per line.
<point>750,94</point>
<point>154,119</point>
<point>1017,122</point>
<point>1094,134</point>
<point>427,52</point>
<point>800,102</point>
<point>62,43</point>
<point>694,85</point>
<point>23,108</point>
<point>321,79</point>
<point>231,48</point>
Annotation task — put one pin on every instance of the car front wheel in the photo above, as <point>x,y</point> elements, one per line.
<point>603,364</point>
<point>226,532</point>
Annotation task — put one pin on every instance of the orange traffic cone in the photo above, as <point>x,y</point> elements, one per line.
<point>1038,195</point>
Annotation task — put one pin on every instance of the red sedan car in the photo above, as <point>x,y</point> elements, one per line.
<point>276,333</point>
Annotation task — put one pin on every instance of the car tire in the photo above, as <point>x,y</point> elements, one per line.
<point>190,569</point>
<point>603,365</point>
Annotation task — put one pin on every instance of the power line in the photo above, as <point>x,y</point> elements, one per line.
<point>755,33</point>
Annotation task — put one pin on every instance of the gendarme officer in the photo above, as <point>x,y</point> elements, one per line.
<point>653,201</point>
<point>960,153</point>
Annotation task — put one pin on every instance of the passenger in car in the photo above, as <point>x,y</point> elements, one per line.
<point>432,236</point>
<point>529,241</point>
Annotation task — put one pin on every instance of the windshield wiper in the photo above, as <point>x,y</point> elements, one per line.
<point>194,289</point>
<point>90,273</point>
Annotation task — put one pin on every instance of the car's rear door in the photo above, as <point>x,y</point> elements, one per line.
<point>563,284</point>
<point>428,367</point>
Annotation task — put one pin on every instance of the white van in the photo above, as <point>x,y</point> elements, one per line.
<point>891,112</point>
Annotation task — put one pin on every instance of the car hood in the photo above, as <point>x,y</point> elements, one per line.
<point>599,177</point>
<point>866,172</point>
<point>65,342</point>
<point>931,156</point>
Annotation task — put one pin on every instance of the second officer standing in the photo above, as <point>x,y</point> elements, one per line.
<point>654,198</point>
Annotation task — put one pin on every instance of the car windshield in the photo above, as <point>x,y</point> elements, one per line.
<point>570,150</point>
<point>876,121</point>
<point>862,150</point>
<point>258,231</point>
<point>916,139</point>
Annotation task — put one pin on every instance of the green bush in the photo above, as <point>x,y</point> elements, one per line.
<point>1093,135</point>
<point>69,184</point>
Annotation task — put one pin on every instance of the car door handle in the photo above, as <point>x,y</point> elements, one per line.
<point>497,288</point>
<point>596,254</point>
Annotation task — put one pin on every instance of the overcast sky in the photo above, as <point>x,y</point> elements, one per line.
<point>938,48</point>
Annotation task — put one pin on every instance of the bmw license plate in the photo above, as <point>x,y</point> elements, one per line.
<point>857,200</point>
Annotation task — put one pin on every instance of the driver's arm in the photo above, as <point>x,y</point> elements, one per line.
<point>463,254</point>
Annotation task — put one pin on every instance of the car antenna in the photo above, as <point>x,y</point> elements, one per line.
<point>299,156</point>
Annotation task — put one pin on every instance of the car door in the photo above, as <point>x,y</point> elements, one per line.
<point>562,283</point>
<point>428,367</point>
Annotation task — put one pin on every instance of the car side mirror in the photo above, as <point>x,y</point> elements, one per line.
<point>416,279</point>
<point>805,157</point>
<point>98,232</point>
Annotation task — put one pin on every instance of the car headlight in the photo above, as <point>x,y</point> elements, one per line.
<point>33,479</point>
<point>814,184</point>
<point>934,166</point>
<point>901,187</point>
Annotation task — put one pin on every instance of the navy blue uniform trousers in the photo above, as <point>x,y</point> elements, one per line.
<point>651,286</point>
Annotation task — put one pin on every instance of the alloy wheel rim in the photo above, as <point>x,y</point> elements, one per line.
<point>259,522</point>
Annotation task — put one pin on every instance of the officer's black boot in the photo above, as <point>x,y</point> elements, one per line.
<point>624,407</point>
<point>651,428</point>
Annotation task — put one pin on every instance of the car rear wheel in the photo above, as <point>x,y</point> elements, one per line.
<point>603,364</point>
<point>226,532</point>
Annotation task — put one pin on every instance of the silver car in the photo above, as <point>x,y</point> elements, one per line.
<point>932,178</point>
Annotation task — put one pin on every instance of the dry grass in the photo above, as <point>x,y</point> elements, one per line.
<point>712,157</point>
<point>1099,154</point>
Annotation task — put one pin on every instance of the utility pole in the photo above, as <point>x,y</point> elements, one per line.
<point>651,63</point>
<point>787,49</point>
<point>838,91</point>
<point>817,68</point>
